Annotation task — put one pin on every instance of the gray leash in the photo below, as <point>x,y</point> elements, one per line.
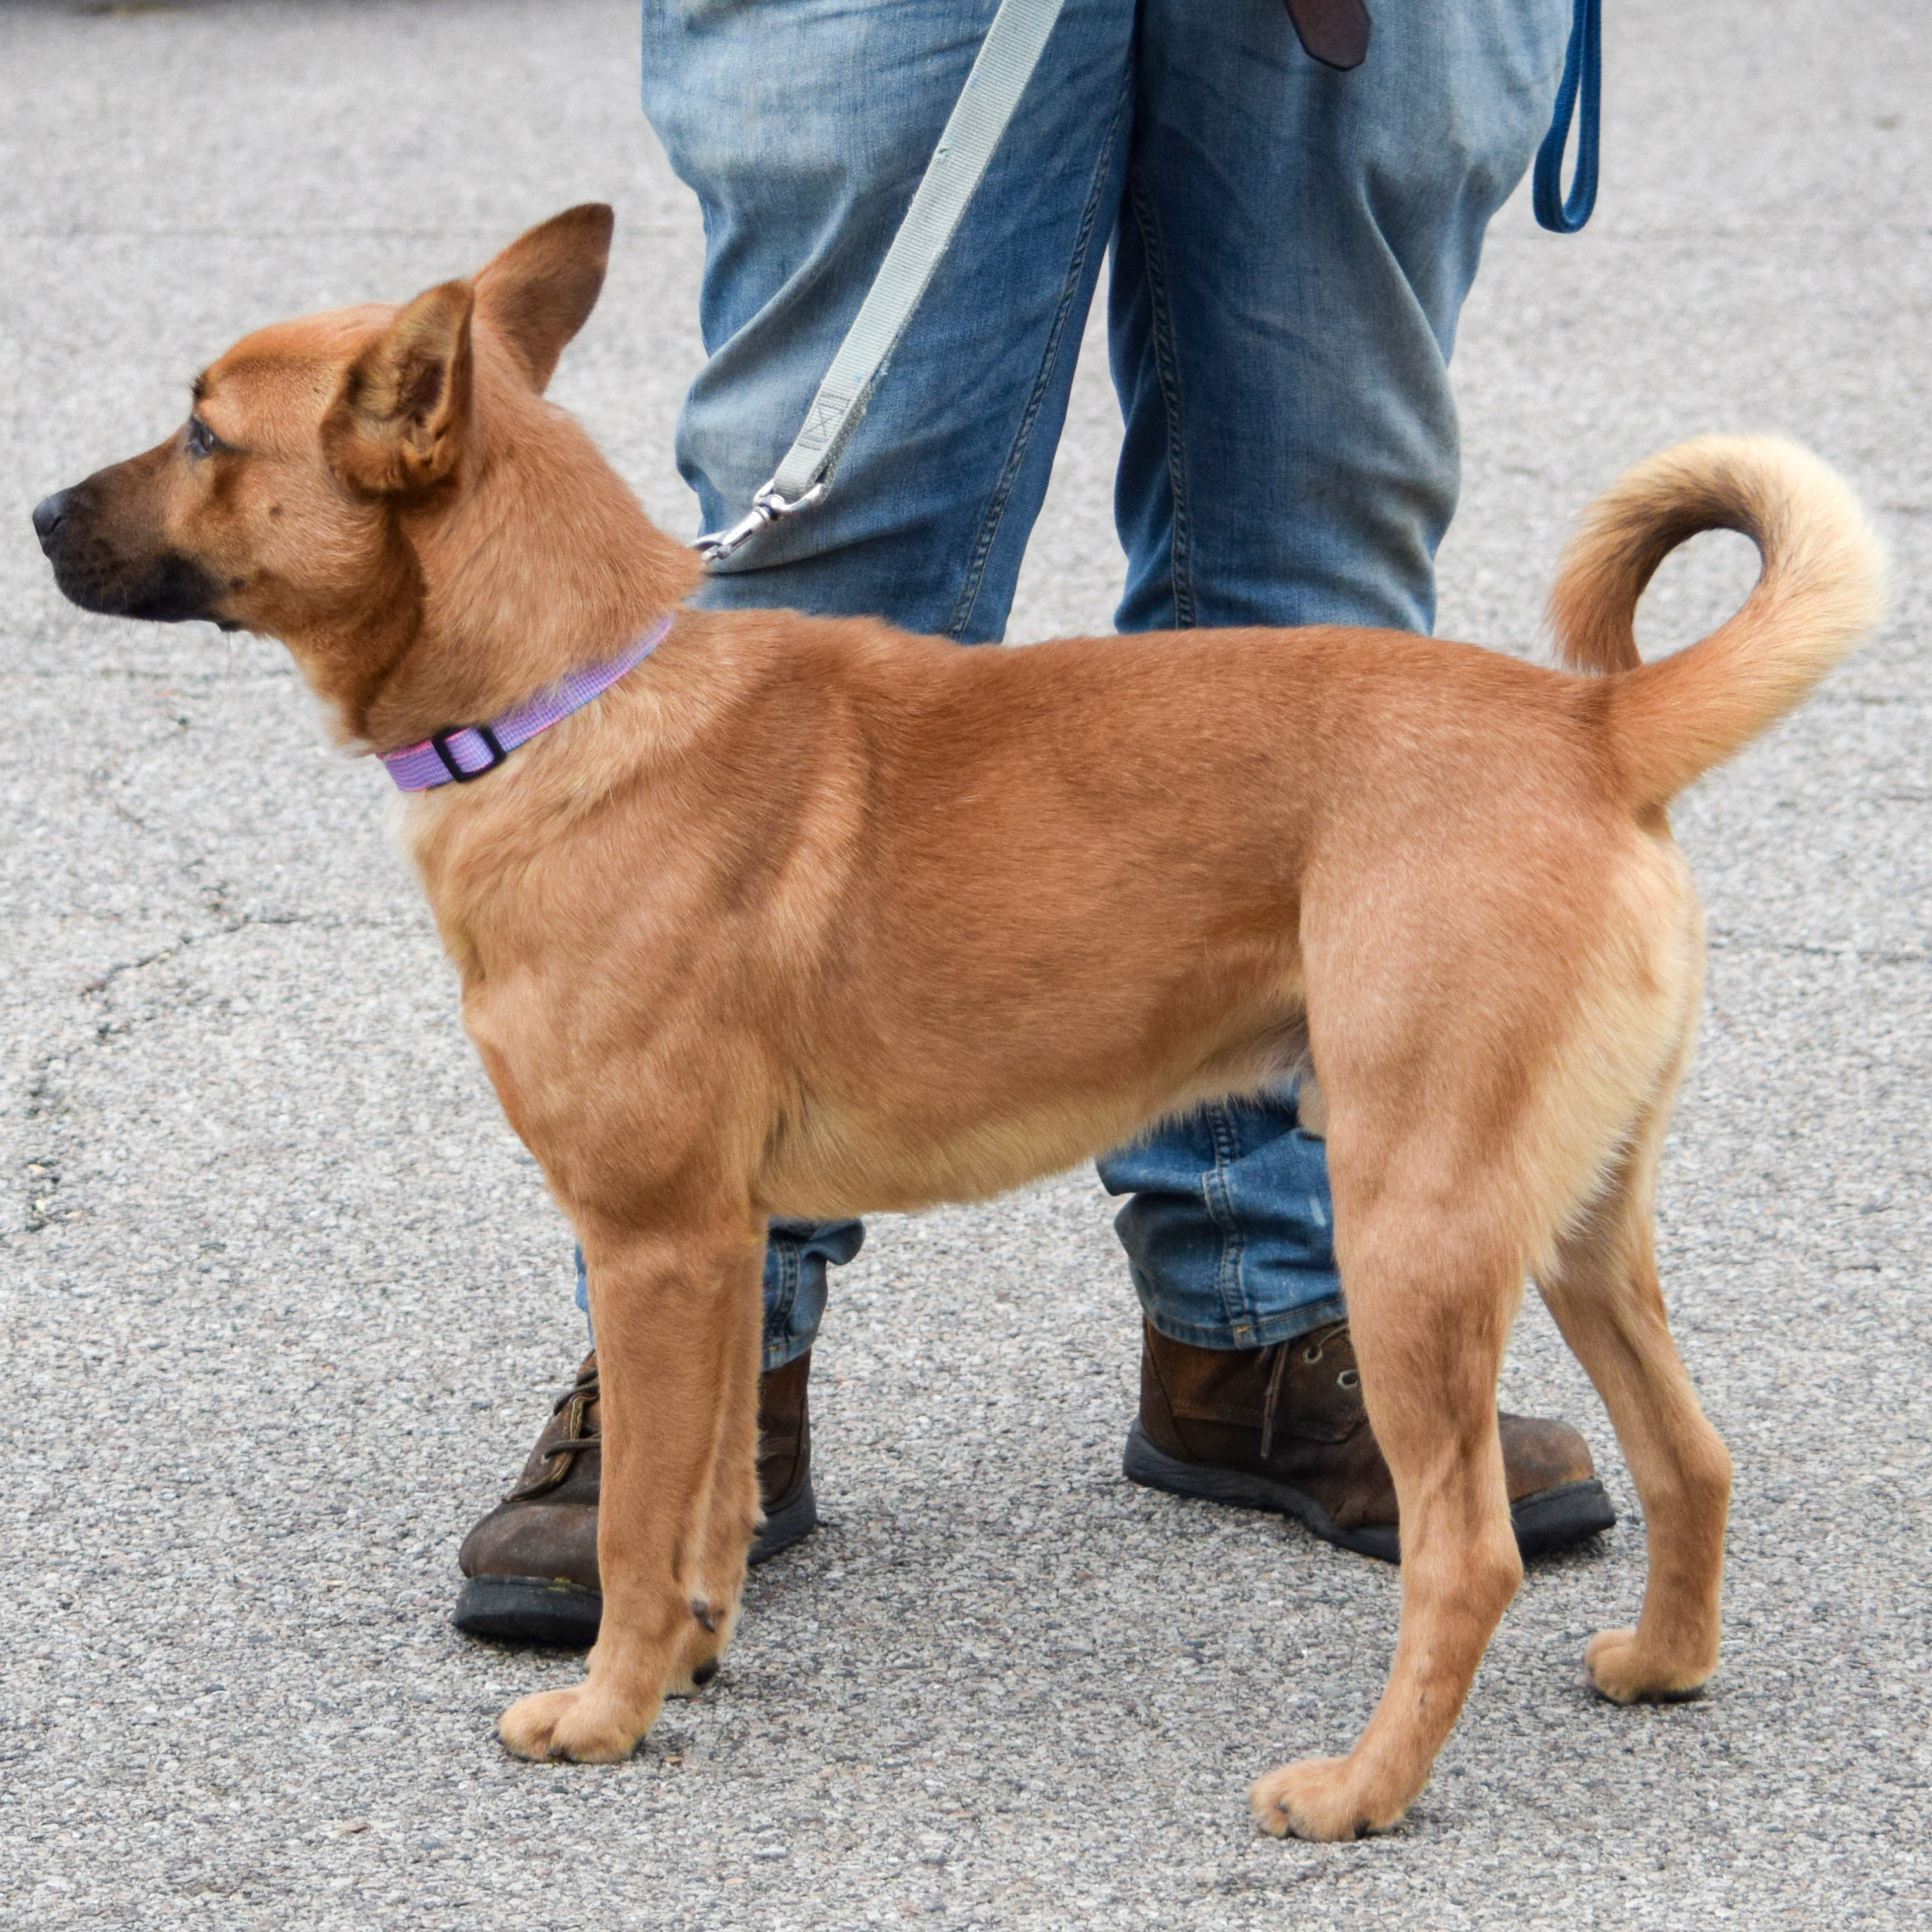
<point>1006,59</point>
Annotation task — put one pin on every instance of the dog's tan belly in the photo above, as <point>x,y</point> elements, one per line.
<point>896,1149</point>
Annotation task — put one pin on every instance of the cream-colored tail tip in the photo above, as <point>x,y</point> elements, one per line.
<point>1807,524</point>
<point>1792,497</point>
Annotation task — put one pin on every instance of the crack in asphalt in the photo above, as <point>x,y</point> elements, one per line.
<point>1866,955</point>
<point>41,1171</point>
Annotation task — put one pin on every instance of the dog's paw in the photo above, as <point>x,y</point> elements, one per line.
<point>1321,1798</point>
<point>580,1724</point>
<point>1621,1669</point>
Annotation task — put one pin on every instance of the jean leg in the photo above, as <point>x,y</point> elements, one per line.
<point>804,127</point>
<point>1228,1234</point>
<point>796,1255</point>
<point>1291,261</point>
<point>1291,256</point>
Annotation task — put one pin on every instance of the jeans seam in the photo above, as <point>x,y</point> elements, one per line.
<point>1003,489</point>
<point>779,1318</point>
<point>1220,1203</point>
<point>1302,1319</point>
<point>1167,369</point>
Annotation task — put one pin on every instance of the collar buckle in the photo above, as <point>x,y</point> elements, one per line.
<point>439,742</point>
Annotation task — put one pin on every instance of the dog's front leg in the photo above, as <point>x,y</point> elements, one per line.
<point>676,1320</point>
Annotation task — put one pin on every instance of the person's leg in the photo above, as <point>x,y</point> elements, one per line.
<point>804,129</point>
<point>1291,260</point>
<point>1228,1225</point>
<point>529,1565</point>
<point>1292,252</point>
<point>797,1254</point>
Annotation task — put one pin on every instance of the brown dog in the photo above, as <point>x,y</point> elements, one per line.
<point>968,939</point>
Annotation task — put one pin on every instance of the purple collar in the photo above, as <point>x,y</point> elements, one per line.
<point>468,750</point>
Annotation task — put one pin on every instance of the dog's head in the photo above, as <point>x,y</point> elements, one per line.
<point>327,487</point>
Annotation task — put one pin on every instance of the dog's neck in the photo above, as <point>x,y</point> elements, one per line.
<point>539,562</point>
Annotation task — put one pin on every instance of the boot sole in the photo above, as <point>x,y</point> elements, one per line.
<point>1550,1519</point>
<point>540,1610</point>
<point>560,1616</point>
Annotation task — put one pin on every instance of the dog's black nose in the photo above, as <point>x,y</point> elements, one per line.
<point>47,515</point>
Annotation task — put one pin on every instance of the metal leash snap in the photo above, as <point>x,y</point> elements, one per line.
<point>1001,70</point>
<point>767,507</point>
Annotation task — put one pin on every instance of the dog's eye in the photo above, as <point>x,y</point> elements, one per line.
<point>202,441</point>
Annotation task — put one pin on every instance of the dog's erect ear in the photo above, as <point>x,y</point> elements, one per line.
<point>537,293</point>
<point>397,423</point>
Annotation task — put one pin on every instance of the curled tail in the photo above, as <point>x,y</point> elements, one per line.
<point>1822,586</point>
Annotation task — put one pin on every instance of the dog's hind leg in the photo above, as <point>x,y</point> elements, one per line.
<point>676,1316</point>
<point>1603,1292</point>
<point>1433,1286</point>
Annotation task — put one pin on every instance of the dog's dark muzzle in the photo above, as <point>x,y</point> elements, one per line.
<point>93,570</point>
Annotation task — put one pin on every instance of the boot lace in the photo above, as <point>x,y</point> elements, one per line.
<point>1311,1346</point>
<point>577,1436</point>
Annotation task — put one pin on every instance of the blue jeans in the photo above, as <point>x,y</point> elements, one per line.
<point>1290,247</point>
<point>797,1254</point>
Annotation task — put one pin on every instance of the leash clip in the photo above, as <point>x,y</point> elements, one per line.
<point>767,507</point>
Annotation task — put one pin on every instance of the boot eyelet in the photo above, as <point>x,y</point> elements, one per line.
<point>1312,1354</point>
<point>1349,1379</point>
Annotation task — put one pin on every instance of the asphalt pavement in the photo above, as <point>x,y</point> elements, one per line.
<point>282,1298</point>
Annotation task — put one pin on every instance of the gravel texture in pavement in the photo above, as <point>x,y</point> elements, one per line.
<point>283,1297</point>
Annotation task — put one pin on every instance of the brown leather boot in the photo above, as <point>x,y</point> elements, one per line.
<point>1284,1428</point>
<point>530,1566</point>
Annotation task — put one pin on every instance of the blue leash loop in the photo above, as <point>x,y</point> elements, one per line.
<point>1583,74</point>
